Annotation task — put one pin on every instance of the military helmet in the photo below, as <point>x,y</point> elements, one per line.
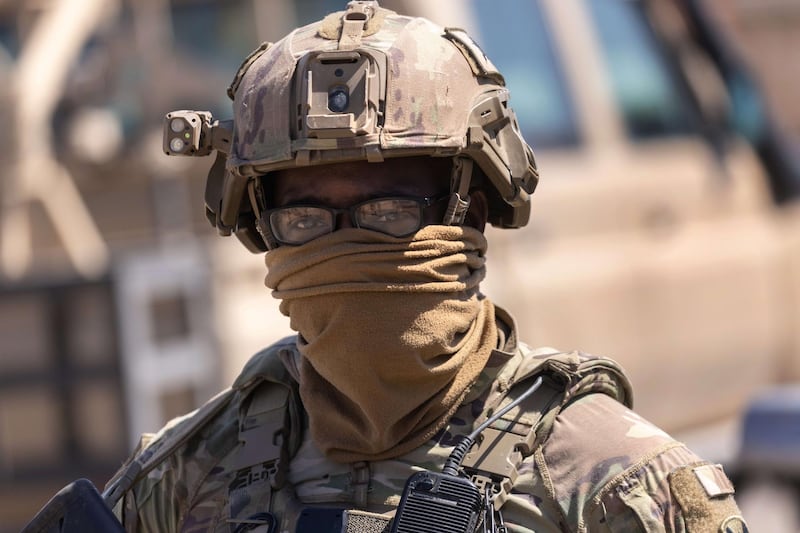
<point>368,84</point>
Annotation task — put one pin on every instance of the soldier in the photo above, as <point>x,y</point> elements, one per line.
<point>367,153</point>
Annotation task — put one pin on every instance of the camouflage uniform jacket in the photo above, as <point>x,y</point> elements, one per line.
<point>602,468</point>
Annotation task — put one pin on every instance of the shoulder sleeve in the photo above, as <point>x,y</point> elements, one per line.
<point>141,508</point>
<point>175,462</point>
<point>609,470</point>
<point>163,498</point>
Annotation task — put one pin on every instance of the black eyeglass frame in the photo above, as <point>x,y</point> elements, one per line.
<point>267,230</point>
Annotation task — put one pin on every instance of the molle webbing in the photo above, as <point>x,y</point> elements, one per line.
<point>270,413</point>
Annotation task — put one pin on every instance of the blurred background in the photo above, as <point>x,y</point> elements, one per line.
<point>665,232</point>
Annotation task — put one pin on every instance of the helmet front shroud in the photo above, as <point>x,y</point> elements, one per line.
<point>368,84</point>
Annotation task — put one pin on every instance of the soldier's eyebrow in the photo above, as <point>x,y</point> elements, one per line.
<point>378,193</point>
<point>311,200</point>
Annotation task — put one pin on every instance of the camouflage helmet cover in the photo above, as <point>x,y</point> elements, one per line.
<point>368,84</point>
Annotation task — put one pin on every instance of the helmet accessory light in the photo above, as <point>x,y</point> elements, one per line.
<point>177,125</point>
<point>177,144</point>
<point>189,132</point>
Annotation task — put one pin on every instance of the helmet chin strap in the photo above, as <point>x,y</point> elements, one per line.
<point>459,196</point>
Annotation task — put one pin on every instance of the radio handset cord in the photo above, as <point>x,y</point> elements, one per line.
<point>449,502</point>
<point>461,449</point>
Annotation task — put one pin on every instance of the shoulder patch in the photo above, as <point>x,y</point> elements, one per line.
<point>705,496</point>
<point>713,480</point>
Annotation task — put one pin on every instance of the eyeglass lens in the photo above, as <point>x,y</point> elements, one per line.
<point>299,224</point>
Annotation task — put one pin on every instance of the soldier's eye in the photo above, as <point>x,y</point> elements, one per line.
<point>394,216</point>
<point>306,222</point>
<point>297,225</point>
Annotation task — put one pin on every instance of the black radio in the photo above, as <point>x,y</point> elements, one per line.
<point>438,502</point>
<point>450,502</point>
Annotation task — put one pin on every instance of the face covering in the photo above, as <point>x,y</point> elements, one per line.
<point>393,332</point>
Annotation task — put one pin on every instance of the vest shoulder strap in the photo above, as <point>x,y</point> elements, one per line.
<point>567,376</point>
<point>580,373</point>
<point>264,368</point>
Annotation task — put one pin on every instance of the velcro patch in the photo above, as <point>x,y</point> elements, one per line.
<point>714,480</point>
<point>705,497</point>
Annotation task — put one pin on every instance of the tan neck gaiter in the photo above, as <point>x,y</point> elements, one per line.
<point>393,332</point>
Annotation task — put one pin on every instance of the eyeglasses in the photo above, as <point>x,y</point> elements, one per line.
<point>398,217</point>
